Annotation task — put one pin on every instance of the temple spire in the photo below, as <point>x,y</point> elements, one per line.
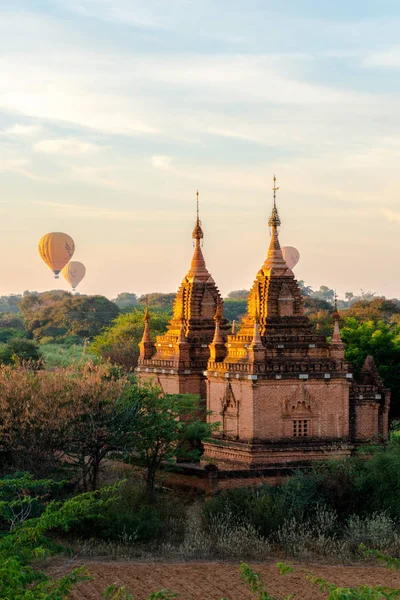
<point>217,346</point>
<point>197,231</point>
<point>336,337</point>
<point>275,261</point>
<point>217,334</point>
<point>198,266</point>
<point>146,331</point>
<point>146,346</point>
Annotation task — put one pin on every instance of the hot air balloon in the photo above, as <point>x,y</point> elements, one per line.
<point>74,272</point>
<point>291,256</point>
<point>56,249</point>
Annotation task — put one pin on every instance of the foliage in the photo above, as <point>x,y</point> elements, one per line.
<point>126,300</point>
<point>235,309</point>
<point>119,342</point>
<point>382,341</point>
<point>158,427</point>
<point>62,419</point>
<point>19,350</point>
<point>375,310</point>
<point>22,497</point>
<point>238,295</point>
<point>158,301</point>
<point>28,541</point>
<point>10,303</point>
<point>324,293</point>
<point>11,326</point>
<point>59,315</point>
<point>256,506</point>
<point>65,355</point>
<point>306,290</point>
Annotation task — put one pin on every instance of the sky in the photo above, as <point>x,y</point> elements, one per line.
<point>114,112</point>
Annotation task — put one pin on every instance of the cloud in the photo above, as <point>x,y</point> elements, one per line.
<point>388,58</point>
<point>67,147</point>
<point>131,12</point>
<point>19,166</point>
<point>19,130</point>
<point>161,162</point>
<point>105,214</point>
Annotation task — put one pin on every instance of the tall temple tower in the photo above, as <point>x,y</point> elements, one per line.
<point>178,359</point>
<point>280,391</point>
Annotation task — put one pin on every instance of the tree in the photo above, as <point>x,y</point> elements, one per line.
<point>118,343</point>
<point>238,295</point>
<point>163,302</point>
<point>59,420</point>
<point>10,304</point>
<point>59,315</point>
<point>382,341</point>
<point>157,427</point>
<point>324,293</point>
<point>376,309</point>
<point>19,350</point>
<point>126,300</point>
<point>306,290</point>
<point>234,310</point>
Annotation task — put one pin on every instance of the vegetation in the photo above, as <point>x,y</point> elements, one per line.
<point>119,342</point>
<point>160,428</point>
<point>57,316</point>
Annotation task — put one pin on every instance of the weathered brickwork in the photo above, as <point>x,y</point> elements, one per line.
<point>281,393</point>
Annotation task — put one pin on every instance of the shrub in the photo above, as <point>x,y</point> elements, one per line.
<point>258,506</point>
<point>376,531</point>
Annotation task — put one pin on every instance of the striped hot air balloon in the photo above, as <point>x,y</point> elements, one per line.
<point>56,249</point>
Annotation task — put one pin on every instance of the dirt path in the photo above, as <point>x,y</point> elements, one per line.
<point>213,581</point>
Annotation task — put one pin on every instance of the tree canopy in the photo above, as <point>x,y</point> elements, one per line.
<point>58,315</point>
<point>119,341</point>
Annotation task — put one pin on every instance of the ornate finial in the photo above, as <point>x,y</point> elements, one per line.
<point>274,220</point>
<point>233,327</point>
<point>146,311</point>
<point>336,314</point>
<point>197,231</point>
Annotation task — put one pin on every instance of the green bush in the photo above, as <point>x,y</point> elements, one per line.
<point>259,507</point>
<point>130,518</point>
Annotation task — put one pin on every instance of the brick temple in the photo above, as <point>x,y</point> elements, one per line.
<point>282,393</point>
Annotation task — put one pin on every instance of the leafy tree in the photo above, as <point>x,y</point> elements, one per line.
<point>234,310</point>
<point>324,293</point>
<point>306,290</point>
<point>157,427</point>
<point>60,315</point>
<point>238,295</point>
<point>58,421</point>
<point>11,326</point>
<point>163,302</point>
<point>126,300</point>
<point>10,303</point>
<point>382,341</point>
<point>19,350</point>
<point>377,309</point>
<point>119,342</point>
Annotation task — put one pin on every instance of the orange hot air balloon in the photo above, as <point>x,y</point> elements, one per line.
<point>291,256</point>
<point>74,272</point>
<point>56,249</point>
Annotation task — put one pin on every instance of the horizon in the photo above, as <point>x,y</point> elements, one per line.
<point>113,113</point>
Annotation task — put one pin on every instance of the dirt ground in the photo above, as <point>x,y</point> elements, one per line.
<point>216,580</point>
